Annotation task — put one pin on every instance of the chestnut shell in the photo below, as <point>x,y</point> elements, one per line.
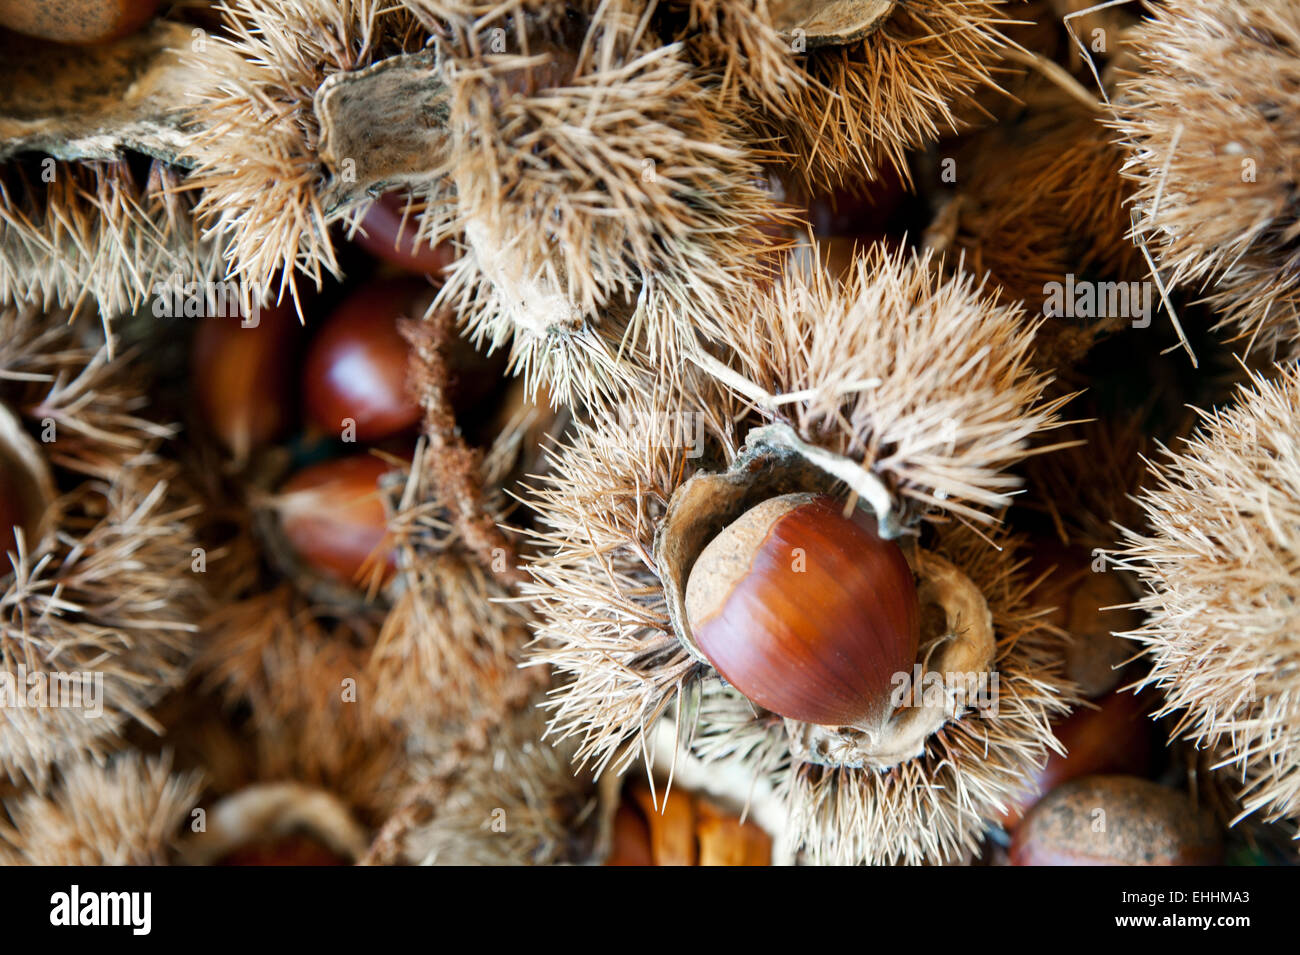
<point>807,612</point>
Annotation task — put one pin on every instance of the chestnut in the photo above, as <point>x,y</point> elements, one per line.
<point>727,841</point>
<point>1113,737</point>
<point>358,363</point>
<point>385,234</point>
<point>333,517</point>
<point>1116,820</point>
<point>1083,600</point>
<point>807,612</point>
<point>242,373</point>
<point>671,818</point>
<point>76,21</point>
<point>630,838</point>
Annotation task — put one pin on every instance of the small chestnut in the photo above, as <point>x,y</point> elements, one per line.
<point>1116,820</point>
<point>333,517</point>
<point>727,841</point>
<point>807,612</point>
<point>357,365</point>
<point>385,234</point>
<point>671,817</point>
<point>242,374</point>
<point>1084,601</point>
<point>76,21</point>
<point>630,838</point>
<point>1115,737</point>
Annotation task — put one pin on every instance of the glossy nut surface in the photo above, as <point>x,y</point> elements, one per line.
<point>808,613</point>
<point>386,235</point>
<point>334,518</point>
<point>243,374</point>
<point>358,364</point>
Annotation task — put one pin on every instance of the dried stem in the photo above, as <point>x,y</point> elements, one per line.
<point>456,467</point>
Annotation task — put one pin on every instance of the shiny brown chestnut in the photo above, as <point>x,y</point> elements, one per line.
<point>807,612</point>
<point>333,517</point>
<point>242,377</point>
<point>357,366</point>
<point>1116,820</point>
<point>386,233</point>
<point>76,21</point>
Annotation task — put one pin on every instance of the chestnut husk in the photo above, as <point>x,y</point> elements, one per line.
<point>774,462</point>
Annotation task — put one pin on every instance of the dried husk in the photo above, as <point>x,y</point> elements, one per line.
<point>1042,198</point>
<point>110,590</point>
<point>610,210</point>
<point>842,383</point>
<point>867,102</point>
<point>256,155</point>
<point>92,207</point>
<point>267,811</point>
<point>1208,122</point>
<point>515,801</point>
<point>1219,568</point>
<point>311,706</point>
<point>127,811</point>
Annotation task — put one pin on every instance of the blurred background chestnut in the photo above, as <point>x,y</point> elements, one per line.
<point>77,21</point>
<point>387,235</point>
<point>1113,738</point>
<point>243,377</point>
<point>358,363</point>
<point>334,518</point>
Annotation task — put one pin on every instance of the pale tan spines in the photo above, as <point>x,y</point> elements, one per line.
<point>1210,123</point>
<point>1220,564</point>
<point>256,166</point>
<point>905,85</point>
<point>127,811</point>
<point>927,381</point>
<point>96,237</point>
<point>635,221</point>
<point>114,593</point>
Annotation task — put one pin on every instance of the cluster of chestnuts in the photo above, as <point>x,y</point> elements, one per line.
<point>687,359</point>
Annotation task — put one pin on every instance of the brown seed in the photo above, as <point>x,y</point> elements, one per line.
<point>807,612</point>
<point>1113,738</point>
<point>672,825</point>
<point>725,840</point>
<point>243,376</point>
<point>76,21</point>
<point>631,838</point>
<point>333,517</point>
<point>1116,820</point>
